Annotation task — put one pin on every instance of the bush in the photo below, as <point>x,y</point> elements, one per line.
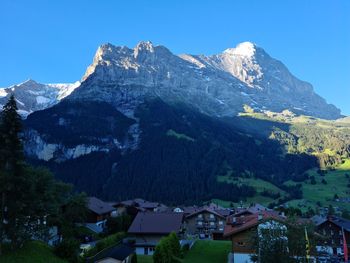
<point>134,258</point>
<point>168,250</point>
<point>312,180</point>
<point>68,249</point>
<point>118,224</point>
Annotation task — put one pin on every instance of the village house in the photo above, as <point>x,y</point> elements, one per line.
<point>132,207</point>
<point>205,223</point>
<point>98,213</point>
<point>331,228</point>
<point>242,229</point>
<point>120,253</point>
<point>149,227</point>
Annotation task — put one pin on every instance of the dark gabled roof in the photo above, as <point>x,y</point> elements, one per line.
<point>339,221</point>
<point>205,209</point>
<point>119,252</point>
<point>318,220</point>
<point>98,206</point>
<point>141,204</point>
<point>156,223</point>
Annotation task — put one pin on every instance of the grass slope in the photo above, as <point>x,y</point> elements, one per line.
<point>32,252</point>
<point>203,251</point>
<point>337,182</point>
<point>260,186</point>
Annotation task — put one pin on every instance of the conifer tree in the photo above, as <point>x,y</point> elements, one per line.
<point>13,185</point>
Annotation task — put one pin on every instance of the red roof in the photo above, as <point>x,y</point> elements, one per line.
<point>246,222</point>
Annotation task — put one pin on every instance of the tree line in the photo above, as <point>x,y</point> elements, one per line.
<point>31,199</point>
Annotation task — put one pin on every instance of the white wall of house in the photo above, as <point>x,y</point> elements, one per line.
<point>242,258</point>
<point>142,250</point>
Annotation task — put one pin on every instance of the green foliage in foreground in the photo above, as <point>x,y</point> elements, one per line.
<point>32,252</point>
<point>168,250</point>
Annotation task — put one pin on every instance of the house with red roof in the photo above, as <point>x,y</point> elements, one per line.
<point>242,230</point>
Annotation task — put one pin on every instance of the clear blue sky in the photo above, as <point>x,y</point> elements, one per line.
<point>55,40</point>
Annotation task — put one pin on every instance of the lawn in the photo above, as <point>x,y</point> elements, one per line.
<point>203,251</point>
<point>32,252</point>
<point>258,184</point>
<point>337,182</point>
<point>144,259</point>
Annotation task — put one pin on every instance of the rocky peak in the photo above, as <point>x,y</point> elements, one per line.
<point>246,49</point>
<point>245,74</point>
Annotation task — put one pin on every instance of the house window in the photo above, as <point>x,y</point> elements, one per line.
<point>240,243</point>
<point>211,223</point>
<point>340,233</point>
<point>211,216</point>
<point>221,222</point>
<point>200,216</point>
<point>324,231</point>
<point>332,232</point>
<point>200,223</point>
<point>341,241</point>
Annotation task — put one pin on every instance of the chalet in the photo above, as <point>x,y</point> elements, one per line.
<point>132,207</point>
<point>243,229</point>
<point>149,227</point>
<point>205,223</point>
<point>331,228</point>
<point>120,253</point>
<point>98,213</point>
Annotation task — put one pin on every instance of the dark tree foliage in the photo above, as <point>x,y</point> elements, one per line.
<point>179,157</point>
<point>29,196</point>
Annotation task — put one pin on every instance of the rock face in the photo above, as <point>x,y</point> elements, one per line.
<point>217,85</point>
<point>121,79</point>
<point>32,96</point>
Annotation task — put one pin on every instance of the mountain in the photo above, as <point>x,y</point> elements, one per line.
<point>32,96</point>
<point>147,123</point>
<point>217,85</point>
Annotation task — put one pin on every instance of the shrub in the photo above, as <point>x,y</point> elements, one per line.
<point>68,249</point>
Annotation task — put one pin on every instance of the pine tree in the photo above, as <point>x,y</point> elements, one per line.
<point>27,194</point>
<point>12,185</point>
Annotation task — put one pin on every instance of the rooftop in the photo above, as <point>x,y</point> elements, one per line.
<point>156,223</point>
<point>98,206</point>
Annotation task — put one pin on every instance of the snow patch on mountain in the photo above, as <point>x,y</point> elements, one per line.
<point>32,96</point>
<point>246,49</point>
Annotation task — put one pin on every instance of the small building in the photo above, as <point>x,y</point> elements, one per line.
<point>132,207</point>
<point>149,227</point>
<point>205,223</point>
<point>120,253</point>
<point>331,228</point>
<point>243,229</point>
<point>98,213</point>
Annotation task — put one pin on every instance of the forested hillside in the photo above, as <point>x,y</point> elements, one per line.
<point>181,154</point>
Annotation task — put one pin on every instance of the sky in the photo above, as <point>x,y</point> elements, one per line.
<point>54,41</point>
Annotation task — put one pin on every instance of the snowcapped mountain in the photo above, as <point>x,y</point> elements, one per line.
<point>32,96</point>
<point>144,117</point>
<point>217,85</point>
